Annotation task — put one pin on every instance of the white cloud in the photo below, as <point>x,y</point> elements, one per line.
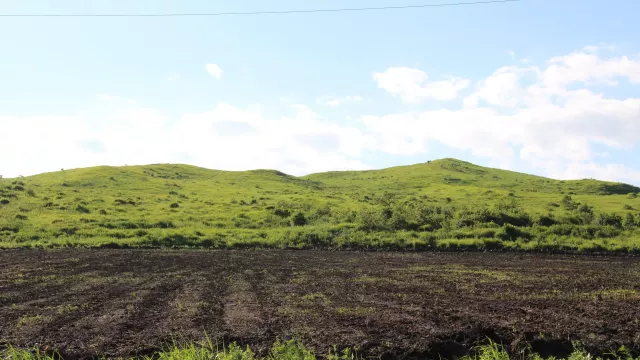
<point>531,114</point>
<point>214,70</point>
<point>303,143</point>
<point>413,86</point>
<point>334,101</point>
<point>584,67</point>
<point>502,88</point>
<point>609,172</point>
<point>547,117</point>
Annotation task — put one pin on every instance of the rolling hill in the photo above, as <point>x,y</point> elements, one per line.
<point>441,204</point>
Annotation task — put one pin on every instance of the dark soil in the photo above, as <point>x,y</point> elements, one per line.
<point>389,305</point>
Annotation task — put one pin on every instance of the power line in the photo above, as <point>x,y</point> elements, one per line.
<point>267,12</point>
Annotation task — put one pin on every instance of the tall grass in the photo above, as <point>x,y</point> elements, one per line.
<point>495,351</point>
<point>295,350</point>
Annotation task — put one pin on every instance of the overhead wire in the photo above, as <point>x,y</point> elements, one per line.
<point>280,12</point>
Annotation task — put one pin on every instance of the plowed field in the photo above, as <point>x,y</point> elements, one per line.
<point>127,302</point>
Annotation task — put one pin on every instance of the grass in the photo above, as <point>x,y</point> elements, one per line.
<point>281,350</point>
<point>294,350</point>
<point>440,205</point>
<point>494,351</point>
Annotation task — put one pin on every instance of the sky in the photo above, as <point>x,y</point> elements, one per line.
<point>539,86</point>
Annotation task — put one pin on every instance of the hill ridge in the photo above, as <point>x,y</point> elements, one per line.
<point>438,203</point>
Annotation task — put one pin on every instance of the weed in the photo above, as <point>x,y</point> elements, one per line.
<point>28,320</point>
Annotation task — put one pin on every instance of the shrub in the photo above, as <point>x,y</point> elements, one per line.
<point>82,209</point>
<point>560,229</point>
<point>545,220</point>
<point>102,212</point>
<point>31,193</point>
<point>610,220</point>
<point>4,201</point>
<point>299,220</point>
<point>282,213</point>
<point>511,233</point>
<point>629,221</point>
<point>164,225</point>
<point>21,217</point>
<point>370,219</point>
<point>174,205</point>
<point>627,207</point>
<point>486,234</point>
<point>492,244</point>
<point>568,203</point>
<point>606,232</point>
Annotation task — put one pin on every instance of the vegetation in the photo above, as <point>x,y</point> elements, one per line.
<point>445,204</point>
<point>294,350</point>
<point>494,351</point>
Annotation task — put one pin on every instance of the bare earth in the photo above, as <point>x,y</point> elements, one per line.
<point>393,305</point>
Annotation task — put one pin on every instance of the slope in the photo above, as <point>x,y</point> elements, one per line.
<point>435,204</point>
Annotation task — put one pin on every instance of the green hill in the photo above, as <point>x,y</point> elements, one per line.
<point>446,204</point>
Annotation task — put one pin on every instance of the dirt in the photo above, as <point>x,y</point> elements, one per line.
<point>117,303</point>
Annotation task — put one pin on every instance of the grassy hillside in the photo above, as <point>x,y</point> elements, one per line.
<point>441,204</point>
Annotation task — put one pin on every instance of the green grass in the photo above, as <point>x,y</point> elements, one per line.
<point>281,350</point>
<point>294,350</point>
<point>494,351</point>
<point>445,204</point>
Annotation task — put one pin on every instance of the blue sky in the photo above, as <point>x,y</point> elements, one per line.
<point>546,87</point>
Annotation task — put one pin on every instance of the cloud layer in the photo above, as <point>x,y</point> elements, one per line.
<point>413,86</point>
<point>554,118</point>
<point>546,117</point>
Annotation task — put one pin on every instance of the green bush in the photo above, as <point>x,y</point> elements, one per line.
<point>568,203</point>
<point>629,221</point>
<point>545,220</point>
<point>512,233</point>
<point>605,219</point>
<point>486,234</point>
<point>82,209</point>
<point>371,219</point>
<point>298,219</point>
<point>283,213</point>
